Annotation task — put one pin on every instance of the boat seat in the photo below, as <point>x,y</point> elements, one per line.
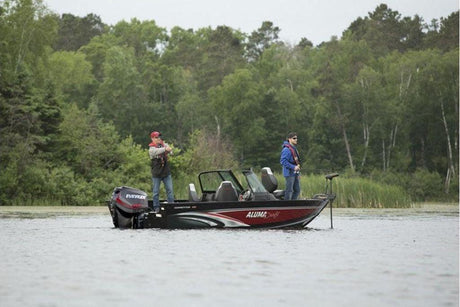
<point>270,183</point>
<point>226,192</point>
<point>208,196</point>
<point>192,195</point>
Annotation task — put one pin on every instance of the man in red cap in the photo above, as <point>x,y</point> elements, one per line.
<point>158,152</point>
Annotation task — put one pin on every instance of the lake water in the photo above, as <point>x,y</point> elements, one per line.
<point>407,257</point>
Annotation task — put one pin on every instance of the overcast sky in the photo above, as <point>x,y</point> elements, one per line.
<point>316,20</point>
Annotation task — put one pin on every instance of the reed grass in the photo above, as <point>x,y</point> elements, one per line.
<point>364,193</point>
<point>355,192</point>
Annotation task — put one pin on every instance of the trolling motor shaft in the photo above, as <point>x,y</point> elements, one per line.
<point>330,195</point>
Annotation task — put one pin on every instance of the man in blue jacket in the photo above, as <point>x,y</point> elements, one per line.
<point>290,160</point>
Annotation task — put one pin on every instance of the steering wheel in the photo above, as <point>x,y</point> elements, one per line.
<point>246,195</point>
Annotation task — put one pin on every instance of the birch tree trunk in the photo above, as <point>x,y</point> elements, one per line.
<point>218,131</point>
<point>392,144</point>
<point>384,156</point>
<point>345,138</point>
<point>366,136</point>
<point>450,168</point>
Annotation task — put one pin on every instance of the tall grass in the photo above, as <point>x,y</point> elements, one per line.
<point>355,192</point>
<point>364,193</point>
<point>351,192</point>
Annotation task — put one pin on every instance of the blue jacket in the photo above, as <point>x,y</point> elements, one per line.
<point>287,160</point>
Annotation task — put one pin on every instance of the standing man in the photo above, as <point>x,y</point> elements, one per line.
<point>158,152</point>
<point>290,160</point>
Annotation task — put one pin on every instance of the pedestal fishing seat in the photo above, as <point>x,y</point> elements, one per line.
<point>271,183</point>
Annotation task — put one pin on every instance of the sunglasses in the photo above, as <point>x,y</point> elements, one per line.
<point>294,138</point>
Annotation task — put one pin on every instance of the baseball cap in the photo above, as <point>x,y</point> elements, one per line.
<point>155,134</point>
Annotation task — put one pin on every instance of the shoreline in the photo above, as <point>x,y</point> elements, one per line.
<point>50,211</point>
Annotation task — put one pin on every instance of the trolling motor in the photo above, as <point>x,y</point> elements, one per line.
<point>329,194</point>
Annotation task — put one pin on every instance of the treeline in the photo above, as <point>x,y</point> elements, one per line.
<point>78,99</point>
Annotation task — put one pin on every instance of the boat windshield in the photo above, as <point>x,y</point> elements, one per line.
<point>210,181</point>
<point>254,183</point>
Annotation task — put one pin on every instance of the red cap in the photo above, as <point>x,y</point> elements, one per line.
<point>155,134</point>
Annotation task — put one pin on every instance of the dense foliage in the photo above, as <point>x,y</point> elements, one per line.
<point>78,99</point>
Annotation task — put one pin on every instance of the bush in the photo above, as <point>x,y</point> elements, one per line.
<point>425,185</point>
<point>422,185</point>
<point>391,178</point>
<point>206,151</point>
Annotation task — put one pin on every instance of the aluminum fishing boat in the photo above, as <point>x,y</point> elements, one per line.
<point>222,202</point>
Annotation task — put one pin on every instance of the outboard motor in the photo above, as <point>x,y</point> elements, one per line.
<point>128,207</point>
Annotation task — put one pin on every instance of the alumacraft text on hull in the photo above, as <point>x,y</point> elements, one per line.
<point>223,203</point>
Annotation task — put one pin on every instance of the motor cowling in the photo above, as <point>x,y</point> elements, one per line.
<point>126,205</point>
<point>130,200</point>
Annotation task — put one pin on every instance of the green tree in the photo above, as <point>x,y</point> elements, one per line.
<point>185,48</point>
<point>385,30</point>
<point>121,97</point>
<point>92,153</point>
<point>368,91</point>
<point>236,106</point>
<point>285,74</point>
<point>448,32</point>
<point>145,37</point>
<point>75,32</point>
<point>435,103</point>
<point>443,34</point>
<point>29,113</point>
<point>342,62</point>
<point>96,52</point>
<point>86,144</point>
<point>261,39</point>
<point>72,77</point>
<point>189,108</point>
<point>222,55</point>
<point>27,29</point>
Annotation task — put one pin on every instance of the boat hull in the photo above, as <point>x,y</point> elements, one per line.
<point>253,214</point>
